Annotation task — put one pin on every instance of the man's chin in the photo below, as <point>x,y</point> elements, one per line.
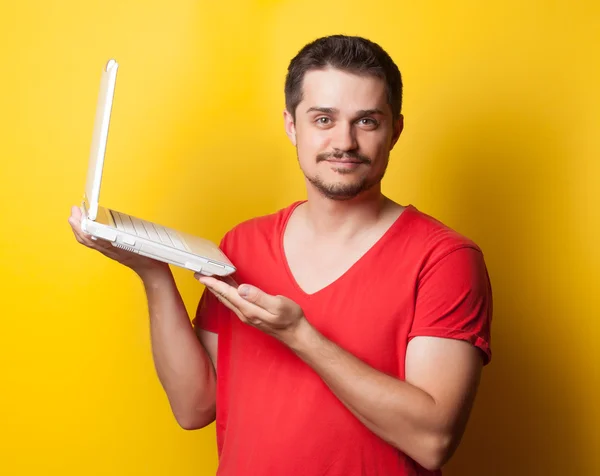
<point>341,191</point>
<point>340,197</point>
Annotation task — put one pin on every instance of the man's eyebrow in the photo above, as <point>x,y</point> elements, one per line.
<point>332,110</point>
<point>324,110</point>
<point>369,112</point>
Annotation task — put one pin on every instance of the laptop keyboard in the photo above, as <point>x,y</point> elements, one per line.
<point>148,230</point>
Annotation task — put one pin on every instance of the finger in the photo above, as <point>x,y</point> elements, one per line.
<point>78,238</point>
<point>76,230</point>
<point>228,305</point>
<point>75,223</point>
<point>269,303</point>
<point>81,236</point>
<point>86,239</point>
<point>227,279</point>
<point>250,310</point>
<point>76,213</point>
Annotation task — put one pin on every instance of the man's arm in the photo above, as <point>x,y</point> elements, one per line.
<point>425,415</point>
<point>185,361</point>
<point>181,360</point>
<point>210,342</point>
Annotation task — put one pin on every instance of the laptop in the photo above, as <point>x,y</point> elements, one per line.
<point>131,233</point>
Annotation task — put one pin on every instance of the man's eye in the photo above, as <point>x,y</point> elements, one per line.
<point>323,121</point>
<point>367,121</point>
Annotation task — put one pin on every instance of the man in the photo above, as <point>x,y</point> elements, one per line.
<point>355,343</point>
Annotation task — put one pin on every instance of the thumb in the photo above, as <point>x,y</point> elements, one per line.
<point>248,292</point>
<point>260,298</point>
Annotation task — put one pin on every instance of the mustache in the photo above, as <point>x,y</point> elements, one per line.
<point>343,155</point>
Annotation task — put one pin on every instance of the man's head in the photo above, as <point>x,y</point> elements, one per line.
<point>343,113</point>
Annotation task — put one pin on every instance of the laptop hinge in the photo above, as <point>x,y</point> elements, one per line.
<point>84,205</point>
<point>89,214</point>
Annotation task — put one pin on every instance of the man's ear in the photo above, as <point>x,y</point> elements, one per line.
<point>290,126</point>
<point>398,128</point>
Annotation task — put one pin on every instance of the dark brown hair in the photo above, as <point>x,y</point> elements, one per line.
<point>353,54</point>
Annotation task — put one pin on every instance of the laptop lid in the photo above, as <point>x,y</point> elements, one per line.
<point>99,138</point>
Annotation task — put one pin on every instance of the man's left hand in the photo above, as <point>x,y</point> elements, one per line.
<point>275,315</point>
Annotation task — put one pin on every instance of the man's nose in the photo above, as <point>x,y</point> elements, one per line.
<point>344,137</point>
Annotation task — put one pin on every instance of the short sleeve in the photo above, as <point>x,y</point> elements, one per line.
<point>210,310</point>
<point>454,300</point>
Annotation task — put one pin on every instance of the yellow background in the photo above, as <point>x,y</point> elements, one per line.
<point>501,142</point>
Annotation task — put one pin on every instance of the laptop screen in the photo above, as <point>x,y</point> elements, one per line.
<point>99,138</point>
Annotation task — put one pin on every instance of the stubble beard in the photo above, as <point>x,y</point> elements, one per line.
<point>345,191</point>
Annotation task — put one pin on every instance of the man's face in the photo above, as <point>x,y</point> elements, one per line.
<point>343,132</point>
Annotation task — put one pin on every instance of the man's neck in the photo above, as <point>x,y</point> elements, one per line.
<point>343,219</point>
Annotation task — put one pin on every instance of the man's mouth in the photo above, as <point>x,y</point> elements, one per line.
<point>345,161</point>
<point>347,158</point>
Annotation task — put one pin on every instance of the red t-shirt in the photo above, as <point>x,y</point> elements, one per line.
<point>275,416</point>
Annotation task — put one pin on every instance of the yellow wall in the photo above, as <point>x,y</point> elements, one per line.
<point>502,142</point>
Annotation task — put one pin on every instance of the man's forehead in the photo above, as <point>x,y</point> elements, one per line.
<point>339,89</point>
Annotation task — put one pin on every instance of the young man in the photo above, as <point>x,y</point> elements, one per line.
<point>355,342</point>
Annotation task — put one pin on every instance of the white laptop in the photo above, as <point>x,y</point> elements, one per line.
<point>131,233</point>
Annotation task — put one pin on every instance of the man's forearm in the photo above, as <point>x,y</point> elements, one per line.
<point>398,412</point>
<point>425,420</point>
<point>182,364</point>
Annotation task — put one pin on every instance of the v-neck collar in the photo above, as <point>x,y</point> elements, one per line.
<point>378,244</point>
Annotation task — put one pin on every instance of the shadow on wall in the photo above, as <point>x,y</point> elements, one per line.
<point>526,420</point>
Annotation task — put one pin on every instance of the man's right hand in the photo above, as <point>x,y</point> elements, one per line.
<point>140,264</point>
